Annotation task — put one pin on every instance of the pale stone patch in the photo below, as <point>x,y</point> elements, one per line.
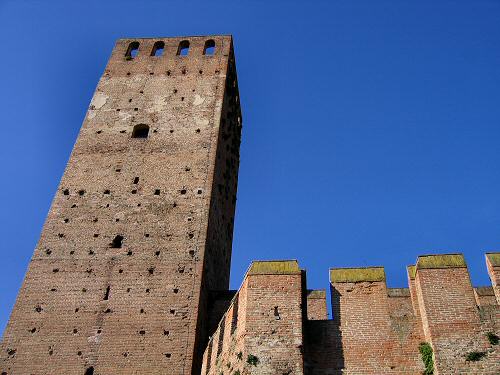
<point>99,100</point>
<point>198,99</point>
<point>159,104</point>
<point>202,121</point>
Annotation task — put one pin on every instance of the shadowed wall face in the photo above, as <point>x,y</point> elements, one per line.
<point>120,278</point>
<point>316,305</point>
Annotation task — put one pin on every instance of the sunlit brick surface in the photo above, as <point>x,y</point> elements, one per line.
<point>139,308</point>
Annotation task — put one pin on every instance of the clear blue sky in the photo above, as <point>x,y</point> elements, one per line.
<point>371,128</point>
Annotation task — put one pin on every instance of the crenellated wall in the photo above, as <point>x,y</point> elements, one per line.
<point>261,332</point>
<point>453,323</point>
<point>316,305</point>
<point>131,271</point>
<point>375,330</point>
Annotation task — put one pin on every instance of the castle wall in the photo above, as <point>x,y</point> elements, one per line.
<point>269,336</point>
<point>219,303</point>
<point>411,270</point>
<point>139,304</point>
<point>373,331</point>
<point>316,305</point>
<point>485,296</point>
<point>131,271</point>
<point>493,264</point>
<point>451,317</point>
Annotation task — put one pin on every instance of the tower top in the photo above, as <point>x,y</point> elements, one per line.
<point>188,48</point>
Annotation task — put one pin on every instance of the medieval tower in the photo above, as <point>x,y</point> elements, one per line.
<point>139,233</point>
<point>131,273</point>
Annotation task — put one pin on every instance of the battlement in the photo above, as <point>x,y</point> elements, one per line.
<point>261,332</point>
<point>131,271</point>
<point>440,307</point>
<point>189,57</point>
<point>373,330</point>
<point>355,275</point>
<point>441,261</point>
<point>274,267</point>
<point>185,49</point>
<point>316,304</point>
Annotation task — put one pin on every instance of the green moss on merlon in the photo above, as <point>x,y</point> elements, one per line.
<point>316,293</point>
<point>355,275</point>
<point>274,267</point>
<point>441,261</point>
<point>412,271</point>
<point>494,259</point>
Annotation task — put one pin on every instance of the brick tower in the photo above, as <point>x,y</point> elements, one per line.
<point>139,232</point>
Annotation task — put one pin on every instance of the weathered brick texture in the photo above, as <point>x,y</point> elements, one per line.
<point>493,264</point>
<point>267,335</point>
<point>375,330</point>
<point>131,272</point>
<point>316,305</point>
<point>452,320</point>
<point>136,304</point>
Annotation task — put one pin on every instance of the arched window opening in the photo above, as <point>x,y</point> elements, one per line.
<point>132,50</point>
<point>209,49</point>
<point>158,48</point>
<point>89,371</point>
<point>140,131</point>
<point>183,48</point>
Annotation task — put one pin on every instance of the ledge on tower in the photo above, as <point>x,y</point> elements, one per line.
<point>356,275</point>
<point>441,261</point>
<point>274,267</point>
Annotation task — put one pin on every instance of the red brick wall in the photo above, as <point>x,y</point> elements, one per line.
<point>316,305</point>
<point>451,318</point>
<point>374,333</point>
<point>163,195</point>
<point>269,327</point>
<point>485,296</point>
<point>493,264</point>
<point>375,330</point>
